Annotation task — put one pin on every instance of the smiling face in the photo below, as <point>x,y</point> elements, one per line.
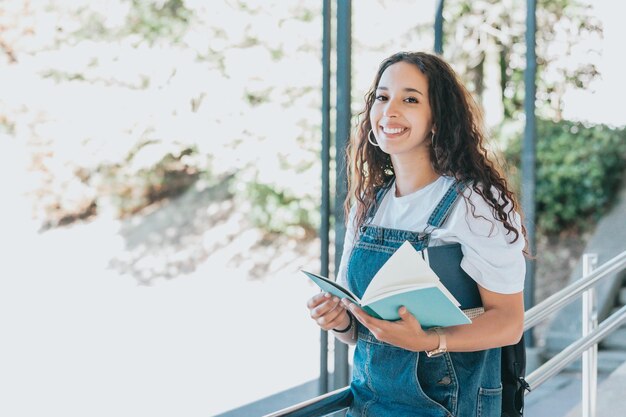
<point>400,116</point>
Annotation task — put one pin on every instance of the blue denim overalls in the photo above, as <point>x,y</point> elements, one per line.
<point>391,381</point>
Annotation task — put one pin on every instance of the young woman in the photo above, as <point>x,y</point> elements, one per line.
<point>420,172</point>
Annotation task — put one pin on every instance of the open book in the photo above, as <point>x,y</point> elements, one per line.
<point>404,280</point>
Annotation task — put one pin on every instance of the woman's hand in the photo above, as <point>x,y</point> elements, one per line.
<point>406,333</point>
<point>328,312</point>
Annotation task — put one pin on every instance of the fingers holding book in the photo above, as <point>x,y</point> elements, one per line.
<point>379,328</point>
<point>406,333</point>
<point>328,312</point>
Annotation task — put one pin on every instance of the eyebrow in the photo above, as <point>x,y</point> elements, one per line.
<point>407,89</point>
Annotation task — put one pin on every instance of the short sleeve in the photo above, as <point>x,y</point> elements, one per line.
<point>491,254</point>
<point>348,243</point>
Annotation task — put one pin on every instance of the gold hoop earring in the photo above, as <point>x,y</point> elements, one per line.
<point>370,140</point>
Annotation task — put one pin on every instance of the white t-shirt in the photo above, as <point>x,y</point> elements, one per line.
<point>489,255</point>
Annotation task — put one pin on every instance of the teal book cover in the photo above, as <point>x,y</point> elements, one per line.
<point>428,304</point>
<point>407,280</point>
<point>332,287</point>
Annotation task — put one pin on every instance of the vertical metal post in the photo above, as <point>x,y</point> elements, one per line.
<point>325,209</point>
<point>590,356</point>
<point>439,28</point>
<point>342,135</point>
<point>528,156</point>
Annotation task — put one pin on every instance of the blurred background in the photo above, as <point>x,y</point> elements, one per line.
<point>161,179</point>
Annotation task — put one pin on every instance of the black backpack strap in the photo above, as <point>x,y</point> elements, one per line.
<point>445,261</point>
<point>513,362</point>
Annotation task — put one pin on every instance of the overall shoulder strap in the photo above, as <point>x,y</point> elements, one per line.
<point>446,204</point>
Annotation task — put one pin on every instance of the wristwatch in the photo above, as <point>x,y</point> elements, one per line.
<point>442,348</point>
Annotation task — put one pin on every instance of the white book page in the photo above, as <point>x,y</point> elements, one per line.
<point>396,289</point>
<point>404,267</point>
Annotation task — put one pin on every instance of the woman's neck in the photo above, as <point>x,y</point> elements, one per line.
<point>413,176</point>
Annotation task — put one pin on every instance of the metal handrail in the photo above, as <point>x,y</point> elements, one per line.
<point>335,401</point>
<point>319,406</point>
<point>573,351</point>
<point>559,299</point>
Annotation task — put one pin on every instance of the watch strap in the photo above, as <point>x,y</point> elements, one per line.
<point>442,348</point>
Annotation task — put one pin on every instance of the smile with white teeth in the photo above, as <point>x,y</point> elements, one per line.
<point>393,130</point>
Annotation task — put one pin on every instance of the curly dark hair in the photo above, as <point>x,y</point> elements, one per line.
<point>457,149</point>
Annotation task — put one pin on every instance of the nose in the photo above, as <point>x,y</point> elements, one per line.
<point>391,109</point>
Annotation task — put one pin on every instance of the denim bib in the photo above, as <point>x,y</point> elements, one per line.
<point>391,381</point>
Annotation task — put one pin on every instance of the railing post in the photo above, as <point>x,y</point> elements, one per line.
<point>590,356</point>
<point>341,375</point>
<point>325,155</point>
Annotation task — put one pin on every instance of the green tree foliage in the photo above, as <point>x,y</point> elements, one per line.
<point>215,90</point>
<point>131,186</point>
<point>143,98</point>
<point>279,211</point>
<point>150,20</point>
<point>163,19</point>
<point>579,168</point>
<point>479,31</point>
